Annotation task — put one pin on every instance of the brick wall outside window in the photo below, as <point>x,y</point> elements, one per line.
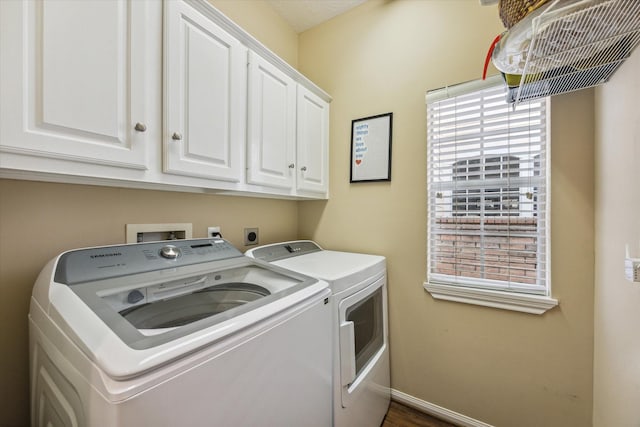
<point>506,253</point>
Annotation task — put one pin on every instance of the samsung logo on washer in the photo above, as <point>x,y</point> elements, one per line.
<point>105,255</point>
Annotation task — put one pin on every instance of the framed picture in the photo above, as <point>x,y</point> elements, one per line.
<point>371,148</point>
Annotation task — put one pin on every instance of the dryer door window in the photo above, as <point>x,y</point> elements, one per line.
<point>362,335</point>
<point>366,316</point>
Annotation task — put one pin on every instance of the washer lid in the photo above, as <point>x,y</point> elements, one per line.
<point>150,309</point>
<point>187,309</point>
<point>131,323</point>
<point>191,307</point>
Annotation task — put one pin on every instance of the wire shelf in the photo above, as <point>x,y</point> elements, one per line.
<point>577,45</point>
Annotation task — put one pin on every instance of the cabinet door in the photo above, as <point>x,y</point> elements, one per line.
<point>205,96</point>
<point>271,125</point>
<point>74,80</point>
<point>312,142</point>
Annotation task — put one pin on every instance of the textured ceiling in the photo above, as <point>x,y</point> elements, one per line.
<point>304,14</point>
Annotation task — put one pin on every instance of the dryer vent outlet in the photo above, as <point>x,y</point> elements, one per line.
<point>250,236</point>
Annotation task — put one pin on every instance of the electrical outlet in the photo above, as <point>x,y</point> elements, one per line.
<point>250,236</point>
<point>214,231</point>
<point>632,269</point>
<point>632,265</point>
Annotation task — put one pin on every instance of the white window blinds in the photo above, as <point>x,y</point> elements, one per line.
<point>487,189</point>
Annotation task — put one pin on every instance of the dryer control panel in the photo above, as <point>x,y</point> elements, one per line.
<point>85,265</point>
<point>280,251</point>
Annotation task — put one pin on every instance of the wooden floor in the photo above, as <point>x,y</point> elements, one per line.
<point>403,416</point>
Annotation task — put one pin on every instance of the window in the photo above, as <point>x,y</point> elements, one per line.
<point>488,204</point>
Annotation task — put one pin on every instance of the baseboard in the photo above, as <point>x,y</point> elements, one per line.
<point>435,410</point>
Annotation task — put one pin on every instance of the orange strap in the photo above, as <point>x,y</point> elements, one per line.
<point>488,58</point>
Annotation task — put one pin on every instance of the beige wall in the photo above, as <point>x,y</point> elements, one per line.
<point>617,308</point>
<point>39,220</point>
<point>262,22</point>
<point>501,367</point>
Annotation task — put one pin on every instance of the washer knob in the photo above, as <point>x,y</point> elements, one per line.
<point>170,252</point>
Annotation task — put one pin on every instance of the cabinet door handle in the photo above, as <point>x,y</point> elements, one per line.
<point>291,166</point>
<point>176,136</point>
<point>140,127</point>
<point>303,169</point>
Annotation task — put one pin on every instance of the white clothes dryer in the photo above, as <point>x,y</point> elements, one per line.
<point>190,333</point>
<point>361,390</point>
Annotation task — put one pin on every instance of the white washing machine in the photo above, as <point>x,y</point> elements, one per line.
<point>361,391</point>
<point>190,333</point>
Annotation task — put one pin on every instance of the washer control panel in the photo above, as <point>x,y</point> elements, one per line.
<point>85,265</point>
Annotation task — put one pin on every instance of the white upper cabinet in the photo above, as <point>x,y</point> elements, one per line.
<point>313,142</point>
<point>288,132</point>
<point>271,125</point>
<point>75,81</point>
<point>204,96</point>
<point>158,94</point>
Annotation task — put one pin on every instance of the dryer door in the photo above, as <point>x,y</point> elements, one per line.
<point>363,337</point>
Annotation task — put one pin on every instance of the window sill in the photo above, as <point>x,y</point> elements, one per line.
<point>533,304</point>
